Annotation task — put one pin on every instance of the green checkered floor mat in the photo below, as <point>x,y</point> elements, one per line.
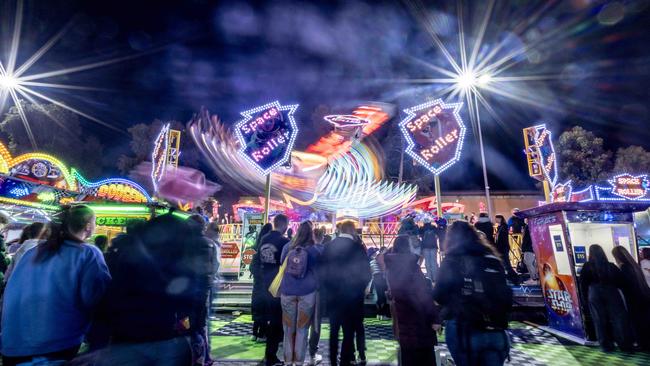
<point>231,345</point>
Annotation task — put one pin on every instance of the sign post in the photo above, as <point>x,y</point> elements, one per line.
<point>266,137</point>
<point>434,134</point>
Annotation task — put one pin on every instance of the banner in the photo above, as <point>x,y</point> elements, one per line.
<point>230,257</point>
<point>554,265</point>
<point>253,223</point>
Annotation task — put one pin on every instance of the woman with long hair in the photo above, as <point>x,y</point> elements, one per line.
<point>32,235</point>
<point>637,295</point>
<point>257,298</point>
<point>416,318</point>
<point>600,282</point>
<point>53,291</point>
<point>298,292</point>
<point>476,320</point>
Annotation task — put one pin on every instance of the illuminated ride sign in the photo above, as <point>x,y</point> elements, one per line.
<point>266,135</point>
<point>629,186</point>
<point>434,133</point>
<point>542,160</point>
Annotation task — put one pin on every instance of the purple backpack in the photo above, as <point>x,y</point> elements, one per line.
<point>297,262</point>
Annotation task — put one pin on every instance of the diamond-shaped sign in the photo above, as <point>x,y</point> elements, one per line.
<point>434,133</point>
<point>266,135</point>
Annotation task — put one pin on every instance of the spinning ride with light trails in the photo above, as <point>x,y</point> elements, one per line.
<point>341,172</point>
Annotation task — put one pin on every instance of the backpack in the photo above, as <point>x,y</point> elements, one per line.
<point>430,239</point>
<point>297,262</point>
<point>486,298</point>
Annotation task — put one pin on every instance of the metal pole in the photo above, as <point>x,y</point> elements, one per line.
<point>547,191</point>
<point>436,184</point>
<point>485,176</point>
<point>267,194</point>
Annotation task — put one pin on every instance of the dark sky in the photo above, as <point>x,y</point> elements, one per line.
<point>232,55</point>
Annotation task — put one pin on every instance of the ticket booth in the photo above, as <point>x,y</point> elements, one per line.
<point>562,234</point>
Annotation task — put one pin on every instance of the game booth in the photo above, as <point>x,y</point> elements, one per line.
<point>562,233</point>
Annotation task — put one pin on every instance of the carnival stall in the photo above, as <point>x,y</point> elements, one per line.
<point>33,186</point>
<point>562,234</point>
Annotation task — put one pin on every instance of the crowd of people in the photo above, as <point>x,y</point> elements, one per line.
<point>144,301</point>
<point>297,281</point>
<point>145,297</point>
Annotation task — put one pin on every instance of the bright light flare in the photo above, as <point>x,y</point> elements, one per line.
<point>466,80</point>
<point>8,82</point>
<point>484,79</point>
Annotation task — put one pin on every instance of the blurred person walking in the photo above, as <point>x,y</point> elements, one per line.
<point>258,312</point>
<point>475,298</point>
<point>416,318</point>
<point>346,274</point>
<point>601,283</point>
<point>484,225</point>
<point>155,308</point>
<point>429,240</point>
<point>52,292</point>
<point>271,247</point>
<point>298,293</point>
<point>637,296</point>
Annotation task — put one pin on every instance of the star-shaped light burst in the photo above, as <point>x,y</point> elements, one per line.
<point>16,82</point>
<point>266,135</point>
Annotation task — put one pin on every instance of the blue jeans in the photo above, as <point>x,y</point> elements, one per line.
<point>297,312</point>
<point>431,262</point>
<point>471,347</point>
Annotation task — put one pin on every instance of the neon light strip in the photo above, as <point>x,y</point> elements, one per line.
<point>84,182</point>
<point>158,170</point>
<point>28,204</point>
<point>411,144</point>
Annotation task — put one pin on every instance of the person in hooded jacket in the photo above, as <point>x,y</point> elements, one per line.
<point>637,295</point>
<point>474,335</point>
<point>416,317</point>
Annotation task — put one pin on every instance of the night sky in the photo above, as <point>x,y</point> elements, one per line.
<point>233,55</point>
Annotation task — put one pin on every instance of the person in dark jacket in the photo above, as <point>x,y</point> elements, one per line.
<point>529,256</point>
<point>600,282</point>
<point>416,318</point>
<point>484,225</point>
<point>429,240</point>
<point>257,297</point>
<point>637,296</point>
<point>346,271</point>
<point>515,223</point>
<point>469,342</point>
<point>502,244</point>
<point>269,263</point>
